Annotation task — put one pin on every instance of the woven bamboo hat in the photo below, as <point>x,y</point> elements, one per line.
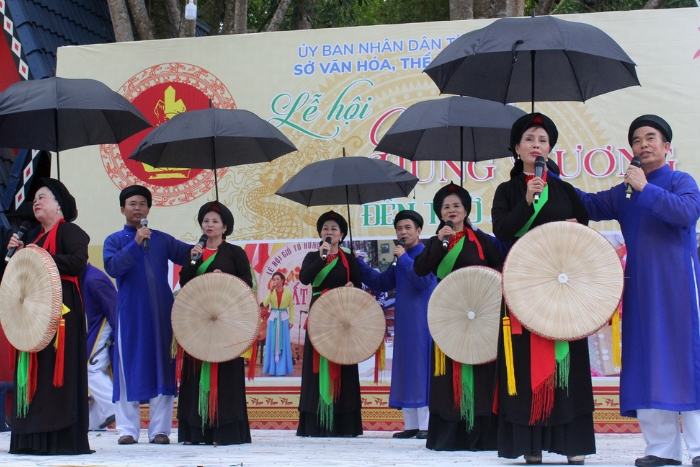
<point>562,280</point>
<point>464,314</point>
<point>215,317</point>
<point>346,325</point>
<point>31,299</point>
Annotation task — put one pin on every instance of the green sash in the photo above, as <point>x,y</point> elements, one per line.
<point>538,207</point>
<point>321,276</point>
<point>203,267</point>
<point>448,262</point>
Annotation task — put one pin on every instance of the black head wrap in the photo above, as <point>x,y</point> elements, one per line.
<point>223,211</point>
<point>446,191</point>
<point>63,197</point>
<point>519,128</point>
<point>332,216</point>
<point>134,190</point>
<point>409,214</point>
<point>653,121</point>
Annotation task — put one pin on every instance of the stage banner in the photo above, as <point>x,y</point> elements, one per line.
<point>331,89</point>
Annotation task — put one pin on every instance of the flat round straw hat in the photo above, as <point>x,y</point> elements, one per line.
<point>562,280</point>
<point>215,317</point>
<point>346,325</point>
<point>31,299</point>
<point>464,314</point>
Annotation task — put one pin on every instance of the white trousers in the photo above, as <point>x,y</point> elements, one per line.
<point>128,414</point>
<point>100,383</point>
<point>661,430</point>
<point>416,419</point>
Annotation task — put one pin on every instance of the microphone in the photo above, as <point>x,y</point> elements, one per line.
<point>539,171</point>
<point>146,243</point>
<point>446,240</point>
<point>202,241</point>
<point>637,162</point>
<point>402,242</point>
<point>324,253</point>
<point>20,235</point>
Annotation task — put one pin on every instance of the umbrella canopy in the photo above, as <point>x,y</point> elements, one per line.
<point>54,114</point>
<point>212,139</point>
<point>452,129</point>
<point>348,180</point>
<point>533,59</point>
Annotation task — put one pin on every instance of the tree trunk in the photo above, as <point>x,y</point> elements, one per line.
<point>172,8</point>
<point>654,4</point>
<point>545,7</point>
<point>144,26</point>
<point>280,13</point>
<point>229,26</point>
<point>517,7</point>
<point>461,9</point>
<point>499,9</point>
<point>240,25</point>
<point>482,9</point>
<point>121,23</point>
<point>303,14</point>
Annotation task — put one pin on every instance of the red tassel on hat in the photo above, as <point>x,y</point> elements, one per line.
<point>60,352</point>
<point>178,364</point>
<point>252,361</point>
<point>317,361</point>
<point>33,374</point>
<point>214,393</point>
<point>456,383</point>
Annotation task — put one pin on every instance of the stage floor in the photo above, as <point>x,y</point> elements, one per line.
<point>282,448</point>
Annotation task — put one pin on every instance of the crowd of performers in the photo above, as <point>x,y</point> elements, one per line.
<point>540,401</point>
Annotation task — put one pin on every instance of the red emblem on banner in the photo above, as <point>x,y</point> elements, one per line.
<point>160,92</point>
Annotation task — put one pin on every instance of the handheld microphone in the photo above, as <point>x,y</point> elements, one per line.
<point>539,171</point>
<point>146,243</point>
<point>23,229</point>
<point>402,242</point>
<point>202,241</point>
<point>446,240</point>
<point>324,253</point>
<point>637,162</point>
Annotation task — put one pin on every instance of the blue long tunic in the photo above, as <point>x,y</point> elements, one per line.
<point>145,302</point>
<point>410,369</point>
<point>661,334</point>
<point>100,300</point>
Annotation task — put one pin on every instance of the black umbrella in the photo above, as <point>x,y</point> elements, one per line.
<point>533,59</point>
<point>451,129</point>
<point>212,139</point>
<point>55,114</point>
<point>348,180</point>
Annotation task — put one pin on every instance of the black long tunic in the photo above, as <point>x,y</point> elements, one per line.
<point>58,418</point>
<point>569,429</point>
<point>347,415</point>
<point>232,425</point>
<point>446,429</point>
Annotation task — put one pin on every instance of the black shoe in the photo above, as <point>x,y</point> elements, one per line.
<point>108,421</point>
<point>406,434</point>
<point>653,461</point>
<point>696,461</point>
<point>422,434</point>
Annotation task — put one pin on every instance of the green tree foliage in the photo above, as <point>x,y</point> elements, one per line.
<point>562,7</point>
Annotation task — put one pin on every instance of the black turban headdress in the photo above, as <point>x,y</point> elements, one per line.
<point>653,121</point>
<point>223,211</point>
<point>63,197</point>
<point>134,190</point>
